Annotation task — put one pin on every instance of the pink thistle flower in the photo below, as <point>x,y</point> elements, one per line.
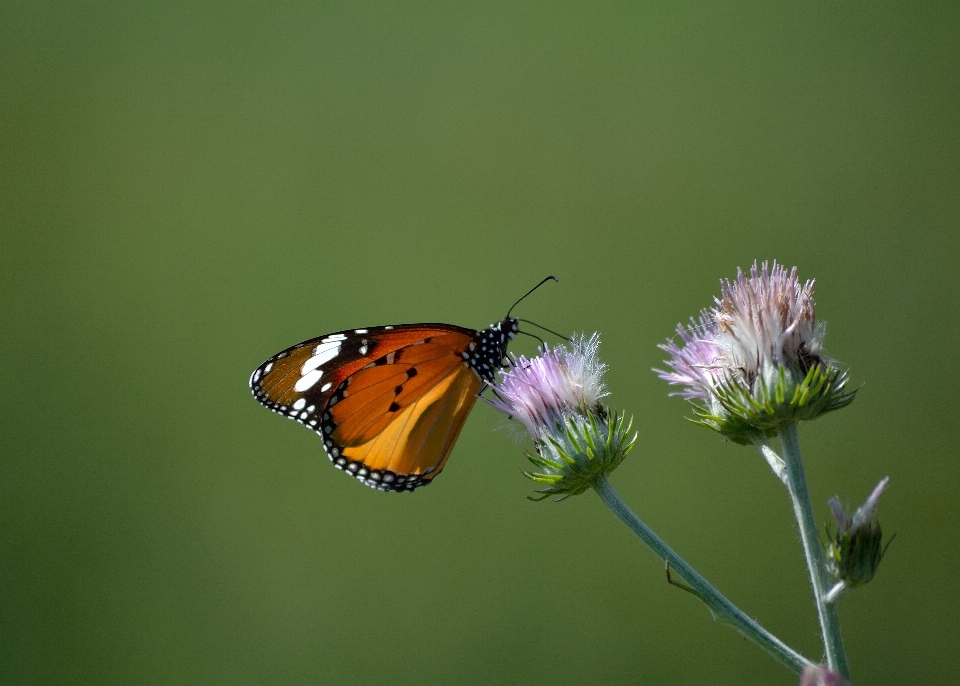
<point>543,392</point>
<point>556,397</point>
<point>755,360</point>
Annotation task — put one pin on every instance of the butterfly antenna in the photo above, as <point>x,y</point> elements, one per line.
<point>549,278</point>
<point>527,321</point>
<point>527,333</point>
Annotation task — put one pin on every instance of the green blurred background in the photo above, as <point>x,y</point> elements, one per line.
<point>186,189</point>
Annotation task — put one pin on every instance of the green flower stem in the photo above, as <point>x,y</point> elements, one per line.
<point>722,608</point>
<point>816,563</point>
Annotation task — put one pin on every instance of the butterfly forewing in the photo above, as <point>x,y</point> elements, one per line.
<point>389,402</point>
<point>312,370</point>
<point>377,392</point>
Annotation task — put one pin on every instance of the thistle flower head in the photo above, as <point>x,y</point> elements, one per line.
<point>556,397</point>
<point>559,383</point>
<point>755,359</point>
<point>856,551</point>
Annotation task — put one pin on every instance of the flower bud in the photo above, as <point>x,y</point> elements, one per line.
<point>855,552</point>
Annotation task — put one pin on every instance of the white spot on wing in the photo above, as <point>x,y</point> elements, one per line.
<point>299,404</point>
<point>266,370</point>
<point>322,354</point>
<point>334,337</point>
<point>325,387</point>
<point>360,331</point>
<point>307,381</point>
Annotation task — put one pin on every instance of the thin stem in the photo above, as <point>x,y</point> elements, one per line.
<point>816,564</point>
<point>721,607</point>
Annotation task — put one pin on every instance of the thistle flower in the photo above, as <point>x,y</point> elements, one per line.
<point>855,552</point>
<point>556,397</point>
<point>755,360</point>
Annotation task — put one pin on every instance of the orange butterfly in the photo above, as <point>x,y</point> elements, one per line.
<point>388,401</point>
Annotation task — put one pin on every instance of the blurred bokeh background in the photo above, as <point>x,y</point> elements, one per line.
<point>186,189</point>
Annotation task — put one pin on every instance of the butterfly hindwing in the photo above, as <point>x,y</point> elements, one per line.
<point>389,402</point>
<point>409,446</point>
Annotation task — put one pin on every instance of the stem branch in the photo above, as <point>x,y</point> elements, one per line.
<point>721,607</point>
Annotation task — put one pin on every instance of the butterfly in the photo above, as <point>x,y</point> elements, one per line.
<point>389,401</point>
